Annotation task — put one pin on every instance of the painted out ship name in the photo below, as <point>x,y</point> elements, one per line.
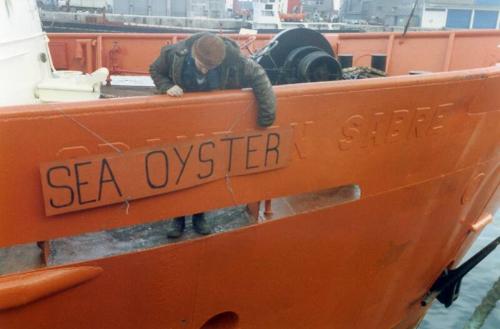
<point>94,181</point>
<point>392,126</point>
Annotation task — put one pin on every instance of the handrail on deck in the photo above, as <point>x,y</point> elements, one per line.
<point>425,51</point>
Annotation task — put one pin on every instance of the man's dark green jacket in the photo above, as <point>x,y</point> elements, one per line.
<point>236,71</point>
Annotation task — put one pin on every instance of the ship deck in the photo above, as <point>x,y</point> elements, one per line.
<point>119,91</point>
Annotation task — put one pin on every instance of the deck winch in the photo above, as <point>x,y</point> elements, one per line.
<point>299,55</point>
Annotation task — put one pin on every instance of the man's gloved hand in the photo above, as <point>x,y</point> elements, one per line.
<point>175,91</point>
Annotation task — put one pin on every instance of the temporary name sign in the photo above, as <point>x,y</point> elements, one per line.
<point>95,181</point>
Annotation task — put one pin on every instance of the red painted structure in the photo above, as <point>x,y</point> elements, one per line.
<point>424,151</point>
<point>436,51</point>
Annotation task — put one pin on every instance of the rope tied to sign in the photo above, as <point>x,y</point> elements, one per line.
<point>100,138</point>
<point>229,186</point>
<point>90,131</point>
<point>127,206</point>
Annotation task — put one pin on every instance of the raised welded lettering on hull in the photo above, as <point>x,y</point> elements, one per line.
<point>393,126</point>
<point>94,181</point>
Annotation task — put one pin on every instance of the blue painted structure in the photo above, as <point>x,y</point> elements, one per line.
<point>485,19</point>
<point>487,2</point>
<point>458,18</point>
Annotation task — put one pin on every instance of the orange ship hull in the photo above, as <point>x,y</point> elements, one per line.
<point>422,150</point>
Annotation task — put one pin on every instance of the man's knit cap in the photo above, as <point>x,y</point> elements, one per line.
<point>209,50</point>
